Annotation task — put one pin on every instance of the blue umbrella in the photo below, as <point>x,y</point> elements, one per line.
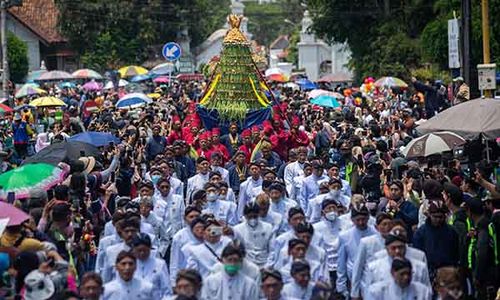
<point>133,100</point>
<point>306,84</point>
<point>94,138</point>
<point>326,101</point>
<point>139,78</point>
<point>67,85</point>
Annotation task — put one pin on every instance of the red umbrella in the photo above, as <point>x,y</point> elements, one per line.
<point>15,215</point>
<point>161,79</point>
<point>5,109</point>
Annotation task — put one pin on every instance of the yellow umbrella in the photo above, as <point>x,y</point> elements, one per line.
<point>47,101</point>
<point>130,71</point>
<point>154,95</point>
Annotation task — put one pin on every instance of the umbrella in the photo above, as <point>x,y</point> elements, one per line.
<point>306,84</point>
<point>139,78</point>
<point>133,100</point>
<point>67,85</point>
<point>92,86</point>
<point>86,73</point>
<point>163,69</point>
<point>14,214</point>
<point>35,75</point>
<point>190,77</point>
<point>29,89</point>
<point>292,85</point>
<point>326,101</point>
<point>63,152</point>
<point>130,71</point>
<point>55,75</point>
<point>391,82</point>
<point>28,177</point>
<point>5,109</point>
<point>432,143</point>
<point>47,101</point>
<point>154,95</point>
<point>337,77</point>
<point>161,79</point>
<point>24,106</point>
<point>277,78</point>
<point>97,139</point>
<point>469,119</point>
<point>121,83</point>
<point>318,92</point>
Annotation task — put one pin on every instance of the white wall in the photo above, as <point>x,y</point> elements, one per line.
<point>29,38</point>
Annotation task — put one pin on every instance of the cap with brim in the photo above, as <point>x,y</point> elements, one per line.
<point>38,285</point>
<point>89,163</point>
<point>474,204</point>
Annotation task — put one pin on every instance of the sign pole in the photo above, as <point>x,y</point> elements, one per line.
<point>486,37</point>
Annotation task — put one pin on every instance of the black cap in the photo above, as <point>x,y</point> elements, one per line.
<point>316,164</point>
<point>299,266</point>
<point>328,201</point>
<point>454,192</point>
<point>295,210</point>
<point>359,210</point>
<point>142,239</point>
<point>294,242</point>
<point>474,204</point>
<point>266,272</point>
<point>396,235</point>
<point>400,263</point>
<point>251,207</point>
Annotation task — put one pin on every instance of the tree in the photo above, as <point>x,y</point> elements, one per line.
<point>17,56</point>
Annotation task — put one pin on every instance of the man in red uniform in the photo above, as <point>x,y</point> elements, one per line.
<point>176,133</point>
<point>218,146</point>
<point>297,138</point>
<point>247,146</point>
<point>280,138</point>
<point>204,149</point>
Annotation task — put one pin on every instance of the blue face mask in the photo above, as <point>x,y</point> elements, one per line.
<point>155,178</point>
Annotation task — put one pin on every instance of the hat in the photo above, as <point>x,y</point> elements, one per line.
<point>294,242</point>
<point>474,204</point>
<point>251,207</point>
<point>255,128</point>
<point>400,263</point>
<point>277,186</point>
<point>246,133</point>
<point>359,210</point>
<point>437,206</point>
<point>141,239</point>
<point>432,189</point>
<point>396,235</point>
<point>299,266</point>
<point>295,121</point>
<point>454,192</point>
<point>316,164</point>
<point>39,286</point>
<point>459,78</point>
<point>89,163</point>
<point>216,131</point>
<point>328,201</point>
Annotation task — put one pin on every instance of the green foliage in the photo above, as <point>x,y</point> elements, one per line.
<point>17,56</point>
<point>293,51</point>
<point>110,33</point>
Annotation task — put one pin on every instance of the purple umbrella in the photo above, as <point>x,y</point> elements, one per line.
<point>92,86</point>
<point>15,215</point>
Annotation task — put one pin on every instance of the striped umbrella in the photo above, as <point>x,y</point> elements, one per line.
<point>163,69</point>
<point>131,71</point>
<point>29,89</point>
<point>432,143</point>
<point>5,109</point>
<point>133,100</point>
<point>86,73</point>
<point>55,75</point>
<point>26,178</point>
<point>47,101</point>
<point>390,82</point>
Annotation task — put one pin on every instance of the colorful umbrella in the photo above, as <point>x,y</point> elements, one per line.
<point>139,78</point>
<point>133,100</point>
<point>292,85</point>
<point>86,73</point>
<point>337,77</point>
<point>277,78</point>
<point>26,178</point>
<point>47,101</point>
<point>432,143</point>
<point>29,89</point>
<point>92,86</point>
<point>326,101</point>
<point>5,109</point>
<point>190,77</point>
<point>94,138</point>
<point>163,69</point>
<point>318,92</point>
<point>35,75</point>
<point>109,85</point>
<point>154,95</point>
<point>14,215</point>
<point>390,82</point>
<point>130,71</point>
<point>55,75</point>
<point>161,79</point>
<point>63,152</point>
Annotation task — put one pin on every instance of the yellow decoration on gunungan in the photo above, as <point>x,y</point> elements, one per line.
<point>212,87</point>
<point>259,98</point>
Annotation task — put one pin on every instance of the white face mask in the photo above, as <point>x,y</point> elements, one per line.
<point>212,197</point>
<point>252,222</point>
<point>335,194</point>
<point>331,216</point>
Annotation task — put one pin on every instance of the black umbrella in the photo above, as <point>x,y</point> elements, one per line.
<point>63,152</point>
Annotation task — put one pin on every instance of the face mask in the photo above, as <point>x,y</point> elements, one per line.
<point>155,178</point>
<point>331,216</point>
<point>212,197</point>
<point>335,194</point>
<point>252,222</point>
<point>232,269</point>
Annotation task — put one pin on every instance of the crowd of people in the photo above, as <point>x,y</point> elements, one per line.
<point>314,203</point>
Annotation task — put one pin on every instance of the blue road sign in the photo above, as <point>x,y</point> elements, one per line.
<point>171,51</point>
